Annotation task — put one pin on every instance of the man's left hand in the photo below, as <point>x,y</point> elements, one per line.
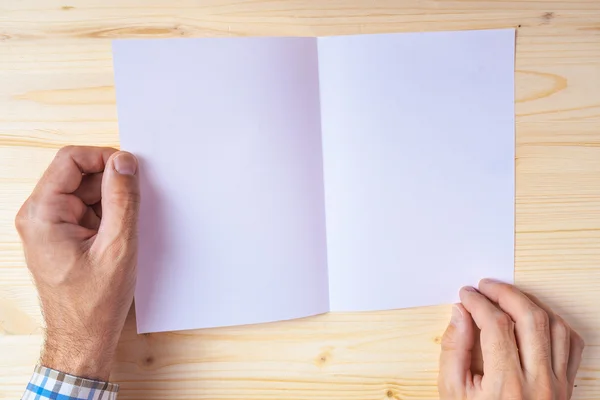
<point>79,231</point>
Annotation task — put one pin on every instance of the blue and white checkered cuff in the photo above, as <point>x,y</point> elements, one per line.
<point>47,383</point>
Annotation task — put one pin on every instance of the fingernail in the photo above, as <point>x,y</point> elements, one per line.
<point>470,289</point>
<point>489,280</point>
<point>125,164</point>
<point>457,315</point>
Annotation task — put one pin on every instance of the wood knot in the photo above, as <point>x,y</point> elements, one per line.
<point>390,394</point>
<point>321,360</point>
<point>547,17</point>
<point>148,361</point>
<point>324,357</point>
<point>67,8</point>
<point>437,340</point>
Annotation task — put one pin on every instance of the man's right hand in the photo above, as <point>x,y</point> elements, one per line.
<point>528,351</point>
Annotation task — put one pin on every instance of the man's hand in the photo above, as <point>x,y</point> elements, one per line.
<point>79,231</point>
<point>528,351</point>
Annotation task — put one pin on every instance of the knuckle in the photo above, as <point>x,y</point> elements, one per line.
<point>449,339</point>
<point>539,318</point>
<point>65,150</point>
<point>21,219</point>
<point>507,291</point>
<point>560,327</point>
<point>41,208</point>
<point>578,341</point>
<point>29,211</point>
<point>135,197</point>
<point>44,210</point>
<point>124,197</point>
<point>503,321</point>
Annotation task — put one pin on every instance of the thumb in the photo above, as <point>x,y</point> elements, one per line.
<point>455,361</point>
<point>120,202</point>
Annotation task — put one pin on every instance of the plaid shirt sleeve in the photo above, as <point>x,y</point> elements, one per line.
<point>47,383</point>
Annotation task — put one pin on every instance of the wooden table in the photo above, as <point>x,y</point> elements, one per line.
<point>56,88</point>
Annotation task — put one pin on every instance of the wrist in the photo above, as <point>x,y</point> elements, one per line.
<point>89,358</point>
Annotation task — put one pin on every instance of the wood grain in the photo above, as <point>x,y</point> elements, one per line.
<point>56,88</point>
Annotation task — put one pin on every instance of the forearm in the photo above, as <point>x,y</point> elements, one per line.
<point>88,357</point>
<point>74,364</point>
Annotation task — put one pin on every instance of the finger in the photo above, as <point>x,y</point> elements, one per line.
<point>575,355</point>
<point>498,343</point>
<point>532,325</point>
<point>477,358</point>
<point>89,188</point>
<point>90,220</point>
<point>70,163</point>
<point>97,207</point>
<point>455,360</point>
<point>560,338</point>
<point>120,201</point>
<point>477,378</point>
<point>57,209</point>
